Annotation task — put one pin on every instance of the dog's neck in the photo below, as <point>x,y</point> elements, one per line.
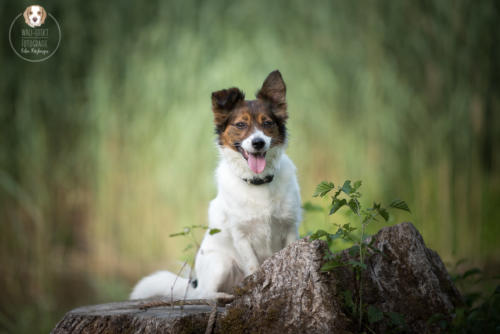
<point>257,181</point>
<point>239,166</point>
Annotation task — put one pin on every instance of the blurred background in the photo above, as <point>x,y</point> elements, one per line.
<point>108,147</point>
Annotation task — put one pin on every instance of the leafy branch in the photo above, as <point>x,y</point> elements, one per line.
<point>347,196</point>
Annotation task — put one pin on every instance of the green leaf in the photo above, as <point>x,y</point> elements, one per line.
<point>337,193</point>
<point>354,251</point>
<point>337,204</point>
<point>368,218</point>
<point>354,205</point>
<point>358,264</point>
<point>381,211</point>
<point>471,272</point>
<point>318,234</point>
<point>213,231</point>
<point>308,206</point>
<point>323,188</point>
<point>328,266</point>
<point>396,319</point>
<point>399,204</point>
<point>374,314</point>
<point>333,237</point>
<point>348,227</point>
<point>347,188</point>
<point>357,184</point>
<point>188,247</point>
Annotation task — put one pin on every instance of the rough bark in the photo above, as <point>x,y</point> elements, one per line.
<point>406,277</point>
<point>130,317</point>
<point>290,294</point>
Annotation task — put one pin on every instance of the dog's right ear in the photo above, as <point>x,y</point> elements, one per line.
<point>223,102</point>
<point>274,90</point>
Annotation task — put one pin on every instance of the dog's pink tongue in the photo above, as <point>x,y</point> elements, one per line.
<point>256,163</point>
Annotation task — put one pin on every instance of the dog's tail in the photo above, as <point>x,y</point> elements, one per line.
<point>164,283</point>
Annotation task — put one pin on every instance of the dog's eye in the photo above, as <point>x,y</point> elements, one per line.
<point>38,13</point>
<point>241,125</point>
<point>268,123</point>
<point>31,13</point>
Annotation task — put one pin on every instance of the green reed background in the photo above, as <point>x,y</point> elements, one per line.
<point>108,147</point>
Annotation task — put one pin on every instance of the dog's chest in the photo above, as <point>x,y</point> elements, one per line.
<point>268,204</point>
<point>266,235</point>
<point>264,217</point>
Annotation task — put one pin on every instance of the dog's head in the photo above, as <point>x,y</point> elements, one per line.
<point>252,128</point>
<point>34,16</point>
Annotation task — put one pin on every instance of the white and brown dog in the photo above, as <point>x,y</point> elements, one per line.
<point>257,208</point>
<point>34,16</point>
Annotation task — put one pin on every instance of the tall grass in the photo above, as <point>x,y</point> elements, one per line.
<point>108,147</point>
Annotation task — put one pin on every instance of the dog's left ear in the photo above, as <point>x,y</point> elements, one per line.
<point>44,15</point>
<point>25,14</point>
<point>274,90</point>
<point>223,103</point>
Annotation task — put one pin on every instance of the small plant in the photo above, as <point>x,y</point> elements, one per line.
<point>481,295</point>
<point>348,196</point>
<point>188,231</point>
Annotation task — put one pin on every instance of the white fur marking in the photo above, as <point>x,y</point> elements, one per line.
<point>247,143</point>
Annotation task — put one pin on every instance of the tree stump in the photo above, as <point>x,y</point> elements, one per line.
<point>290,294</point>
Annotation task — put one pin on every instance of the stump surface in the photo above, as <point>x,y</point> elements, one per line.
<point>129,317</point>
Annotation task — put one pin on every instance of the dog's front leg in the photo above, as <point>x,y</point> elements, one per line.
<point>248,260</point>
<point>292,235</point>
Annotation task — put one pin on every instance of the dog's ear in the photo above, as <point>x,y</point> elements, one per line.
<point>274,90</point>
<point>44,15</point>
<point>223,102</point>
<point>226,99</point>
<point>25,14</point>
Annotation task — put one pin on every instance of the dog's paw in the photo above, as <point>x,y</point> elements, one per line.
<point>223,295</point>
<point>251,270</point>
<point>219,296</point>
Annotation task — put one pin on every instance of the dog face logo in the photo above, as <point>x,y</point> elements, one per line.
<point>34,16</point>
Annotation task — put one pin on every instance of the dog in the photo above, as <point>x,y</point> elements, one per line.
<point>34,16</point>
<point>257,208</point>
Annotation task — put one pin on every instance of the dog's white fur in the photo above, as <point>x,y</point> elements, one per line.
<point>255,221</point>
<point>34,16</point>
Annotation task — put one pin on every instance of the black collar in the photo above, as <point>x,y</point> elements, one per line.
<point>258,181</point>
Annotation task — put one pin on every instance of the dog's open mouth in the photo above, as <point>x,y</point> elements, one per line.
<point>256,161</point>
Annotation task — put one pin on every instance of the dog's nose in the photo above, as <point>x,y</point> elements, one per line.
<point>35,18</point>
<point>258,143</point>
